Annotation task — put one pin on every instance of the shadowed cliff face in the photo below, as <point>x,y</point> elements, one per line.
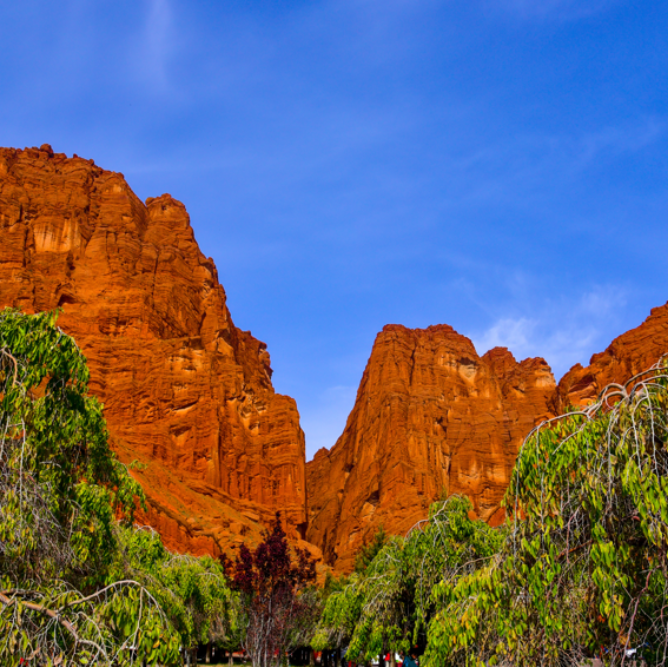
<point>185,391</point>
<point>431,417</point>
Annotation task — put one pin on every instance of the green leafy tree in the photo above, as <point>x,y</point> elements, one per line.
<point>61,492</point>
<point>584,567</point>
<point>387,606</point>
<point>193,592</point>
<point>369,551</point>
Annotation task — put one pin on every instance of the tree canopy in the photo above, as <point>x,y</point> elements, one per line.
<point>278,605</point>
<point>579,569</point>
<point>583,568</point>
<point>79,585</point>
<point>386,606</point>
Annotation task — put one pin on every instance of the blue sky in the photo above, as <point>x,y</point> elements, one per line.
<point>497,165</point>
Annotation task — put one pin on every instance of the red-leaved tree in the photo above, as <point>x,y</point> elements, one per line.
<point>279,607</point>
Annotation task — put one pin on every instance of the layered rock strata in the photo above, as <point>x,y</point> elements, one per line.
<point>186,393</point>
<point>431,417</point>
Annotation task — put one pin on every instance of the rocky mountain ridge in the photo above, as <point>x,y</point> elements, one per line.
<point>433,417</point>
<point>189,396</point>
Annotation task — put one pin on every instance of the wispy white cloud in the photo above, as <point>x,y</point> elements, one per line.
<point>564,333</point>
<point>524,337</point>
<point>513,333</point>
<point>158,42</point>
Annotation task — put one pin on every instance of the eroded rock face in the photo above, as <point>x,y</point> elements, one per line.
<point>189,396</point>
<point>431,417</point>
<point>632,352</point>
<point>185,392</point>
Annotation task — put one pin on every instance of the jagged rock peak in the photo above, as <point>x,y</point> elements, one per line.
<point>431,417</point>
<point>628,354</point>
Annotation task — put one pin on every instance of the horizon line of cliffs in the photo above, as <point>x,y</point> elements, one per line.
<point>189,395</point>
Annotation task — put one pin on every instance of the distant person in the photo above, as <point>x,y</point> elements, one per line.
<point>408,661</point>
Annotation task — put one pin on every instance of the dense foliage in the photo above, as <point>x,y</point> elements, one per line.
<point>278,604</point>
<point>583,570</point>
<point>579,569</point>
<point>76,586</point>
<point>387,606</point>
<point>369,551</point>
<point>193,592</point>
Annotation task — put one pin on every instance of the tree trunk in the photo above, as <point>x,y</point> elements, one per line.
<point>207,659</point>
<point>231,661</point>
<point>311,658</point>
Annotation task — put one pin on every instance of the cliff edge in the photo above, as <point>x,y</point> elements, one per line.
<point>186,393</point>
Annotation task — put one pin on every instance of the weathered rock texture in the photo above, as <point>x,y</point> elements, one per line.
<point>632,352</point>
<point>431,417</point>
<point>189,395</point>
<point>185,391</point>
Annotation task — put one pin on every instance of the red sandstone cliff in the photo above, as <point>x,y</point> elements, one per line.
<point>431,416</point>
<point>631,353</point>
<point>185,391</point>
<point>190,396</point>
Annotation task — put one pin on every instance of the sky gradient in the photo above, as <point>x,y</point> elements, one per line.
<point>496,165</point>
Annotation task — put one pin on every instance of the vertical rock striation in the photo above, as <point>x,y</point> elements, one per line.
<point>186,393</point>
<point>431,417</point>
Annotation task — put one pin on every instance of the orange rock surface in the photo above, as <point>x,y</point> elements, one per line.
<point>632,352</point>
<point>185,392</point>
<point>431,417</point>
<point>189,395</point>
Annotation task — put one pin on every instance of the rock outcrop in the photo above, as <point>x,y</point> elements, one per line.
<point>632,352</point>
<point>189,396</point>
<point>431,417</point>
<point>186,393</point>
